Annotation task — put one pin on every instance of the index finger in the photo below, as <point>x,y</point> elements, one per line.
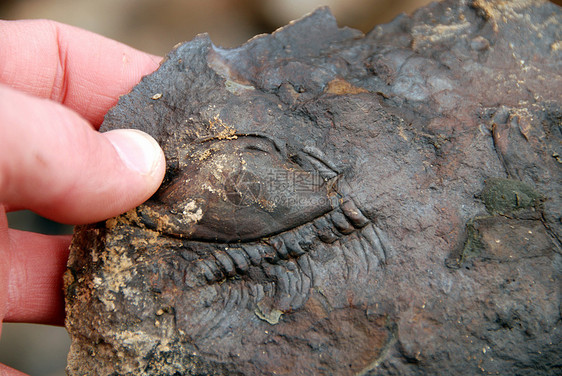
<point>82,70</point>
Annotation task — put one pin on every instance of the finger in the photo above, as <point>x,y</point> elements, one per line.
<point>37,264</point>
<point>4,264</point>
<point>54,163</point>
<point>8,371</point>
<point>82,70</point>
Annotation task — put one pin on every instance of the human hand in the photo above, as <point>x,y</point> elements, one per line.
<point>52,159</point>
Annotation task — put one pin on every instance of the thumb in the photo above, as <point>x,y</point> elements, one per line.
<point>53,162</point>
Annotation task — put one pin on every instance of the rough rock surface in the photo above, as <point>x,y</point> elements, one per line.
<point>339,203</point>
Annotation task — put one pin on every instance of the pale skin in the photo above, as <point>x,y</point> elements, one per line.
<point>56,84</point>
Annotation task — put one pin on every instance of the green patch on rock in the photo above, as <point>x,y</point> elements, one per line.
<point>268,314</point>
<point>472,246</point>
<point>504,196</point>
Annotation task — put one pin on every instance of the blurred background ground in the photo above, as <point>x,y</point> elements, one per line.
<point>155,27</point>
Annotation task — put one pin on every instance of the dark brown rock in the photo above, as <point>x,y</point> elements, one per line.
<point>339,203</point>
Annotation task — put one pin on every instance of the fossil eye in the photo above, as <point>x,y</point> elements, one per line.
<point>240,190</point>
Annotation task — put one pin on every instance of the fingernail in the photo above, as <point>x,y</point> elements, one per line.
<point>139,151</point>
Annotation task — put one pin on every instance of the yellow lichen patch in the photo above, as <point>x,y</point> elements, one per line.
<point>217,191</point>
<point>132,216</point>
<point>150,237</point>
<point>217,165</point>
<point>138,339</point>
<point>340,86</point>
<point>438,33</point>
<point>191,212</point>
<point>124,219</point>
<point>223,131</point>
<point>266,205</point>
<point>204,154</point>
<point>237,88</point>
<point>269,314</point>
<point>163,222</point>
<point>503,11</point>
<point>112,223</point>
<point>402,134</point>
<point>486,8</point>
<point>118,269</point>
<point>487,11</point>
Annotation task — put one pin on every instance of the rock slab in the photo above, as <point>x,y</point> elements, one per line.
<point>340,203</point>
